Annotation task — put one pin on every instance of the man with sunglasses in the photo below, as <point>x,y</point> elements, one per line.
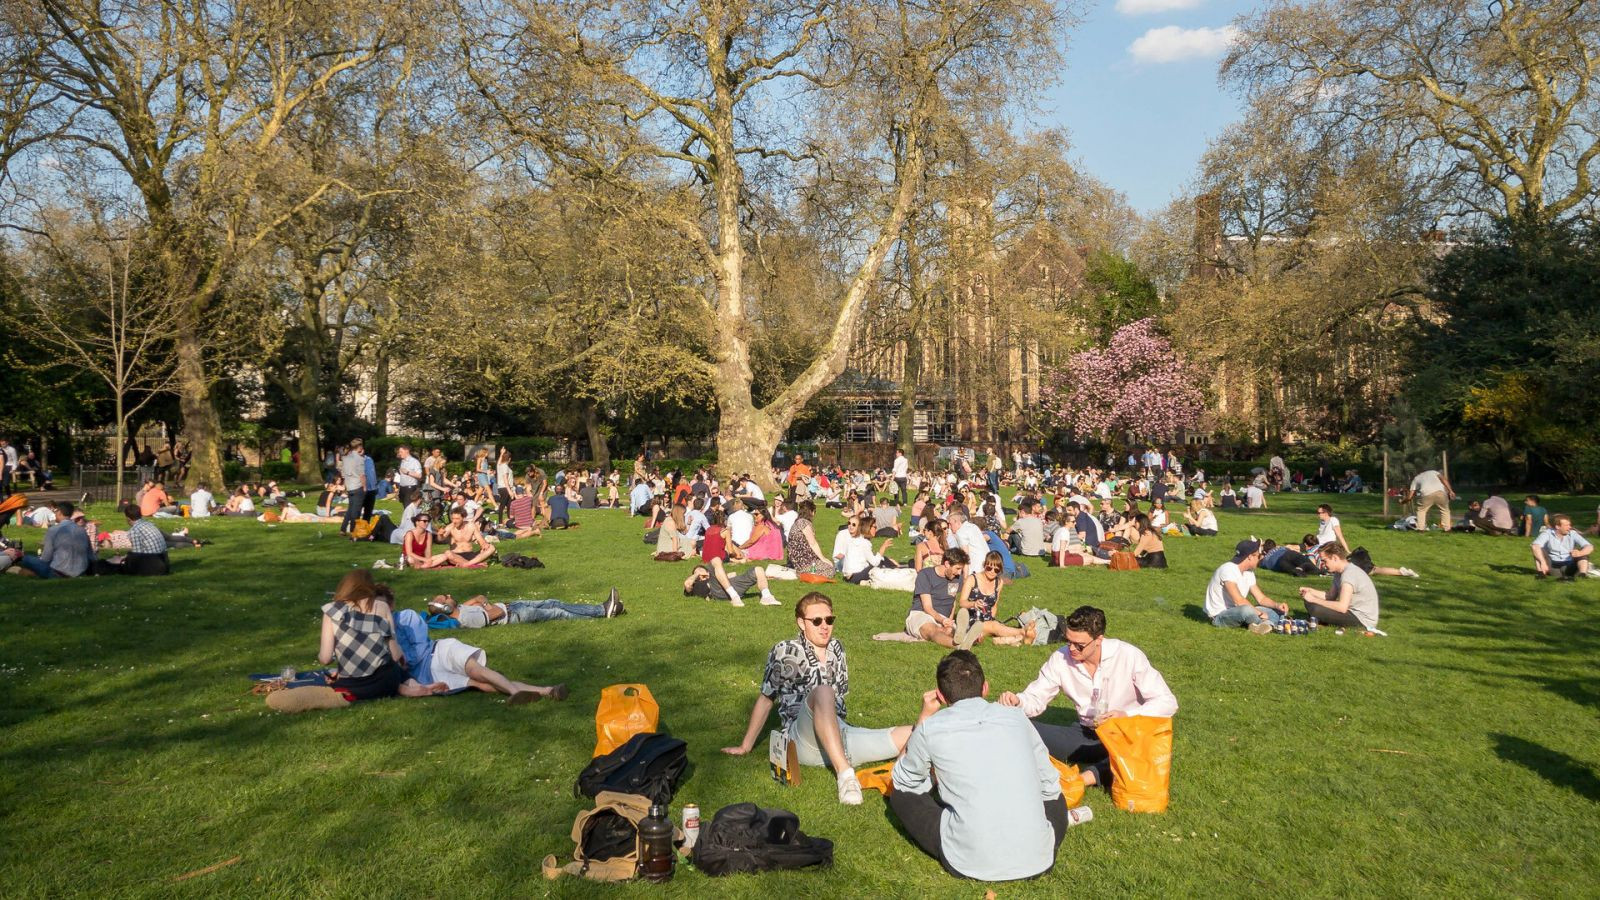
<point>1105,679</point>
<point>807,679</point>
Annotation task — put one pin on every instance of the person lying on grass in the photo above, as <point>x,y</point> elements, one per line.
<point>1105,679</point>
<point>1352,600</point>
<point>1233,598</point>
<point>479,612</point>
<point>998,821</point>
<point>1359,557</point>
<point>807,678</point>
<point>457,664</point>
<point>1561,550</point>
<point>358,636</point>
<point>468,546</point>
<point>713,582</point>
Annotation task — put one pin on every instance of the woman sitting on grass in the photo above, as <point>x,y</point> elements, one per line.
<point>1200,521</point>
<point>358,636</point>
<point>1148,549</point>
<point>418,544</point>
<point>980,598</point>
<point>805,554</point>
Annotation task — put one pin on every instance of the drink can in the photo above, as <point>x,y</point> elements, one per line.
<point>1079,816</point>
<point>1312,623</point>
<point>691,826</point>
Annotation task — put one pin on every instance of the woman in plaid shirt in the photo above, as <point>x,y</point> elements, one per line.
<point>358,635</point>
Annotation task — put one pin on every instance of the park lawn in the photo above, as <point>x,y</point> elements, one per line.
<point>1457,756</point>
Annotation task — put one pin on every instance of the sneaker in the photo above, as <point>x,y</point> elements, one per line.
<point>850,789</point>
<point>768,600</point>
<point>967,631</point>
<point>1261,628</point>
<point>1409,573</point>
<point>612,606</point>
<point>784,759</point>
<point>736,602</point>
<point>1591,573</point>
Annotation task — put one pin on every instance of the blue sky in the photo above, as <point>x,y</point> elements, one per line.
<point>1139,96</point>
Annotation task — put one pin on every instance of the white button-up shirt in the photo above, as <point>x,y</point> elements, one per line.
<point>1127,683</point>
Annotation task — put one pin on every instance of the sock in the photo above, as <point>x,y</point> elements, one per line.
<point>847,770</point>
<point>767,595</point>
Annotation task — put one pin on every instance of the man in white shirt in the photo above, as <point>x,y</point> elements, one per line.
<point>749,490</point>
<point>1431,490</point>
<point>1255,497</point>
<point>408,478</point>
<point>1561,550</point>
<point>1105,679</point>
<point>1233,598</point>
<point>784,515</point>
<point>998,821</point>
<point>900,470</point>
<point>740,523</point>
<point>968,537</point>
<point>200,502</point>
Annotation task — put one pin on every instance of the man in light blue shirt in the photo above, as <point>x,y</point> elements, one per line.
<point>1561,551</point>
<point>998,814</point>
<point>639,497</point>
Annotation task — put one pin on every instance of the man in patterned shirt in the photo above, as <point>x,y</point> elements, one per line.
<point>807,679</point>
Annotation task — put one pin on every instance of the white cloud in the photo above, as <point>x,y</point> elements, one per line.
<point>1145,7</point>
<point>1174,44</point>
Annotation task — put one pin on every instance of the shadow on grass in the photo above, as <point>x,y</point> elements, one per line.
<point>1525,571</point>
<point>1553,766</point>
<point>1196,612</point>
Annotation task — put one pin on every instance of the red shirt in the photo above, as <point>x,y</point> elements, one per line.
<point>715,545</point>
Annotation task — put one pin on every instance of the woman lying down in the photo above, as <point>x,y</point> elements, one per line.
<point>378,654</point>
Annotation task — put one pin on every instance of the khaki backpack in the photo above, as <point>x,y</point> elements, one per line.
<point>611,832</point>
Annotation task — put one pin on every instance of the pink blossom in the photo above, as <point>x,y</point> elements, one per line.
<point>1137,384</point>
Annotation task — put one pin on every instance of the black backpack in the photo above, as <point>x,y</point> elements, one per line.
<point>746,838</point>
<point>649,764</point>
<point>516,560</point>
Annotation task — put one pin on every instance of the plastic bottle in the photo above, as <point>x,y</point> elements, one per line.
<point>655,846</point>
<point>1092,714</point>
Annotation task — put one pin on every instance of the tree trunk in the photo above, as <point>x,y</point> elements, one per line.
<point>746,438</point>
<point>909,381</point>
<point>598,450</point>
<point>310,469</point>
<point>122,432</point>
<point>200,425</point>
<point>380,393</point>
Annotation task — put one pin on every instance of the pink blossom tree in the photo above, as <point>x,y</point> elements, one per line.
<point>1136,384</point>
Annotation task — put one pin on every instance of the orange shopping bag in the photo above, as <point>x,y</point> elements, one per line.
<point>1072,786</point>
<point>878,778</point>
<point>1141,761</point>
<point>625,710</point>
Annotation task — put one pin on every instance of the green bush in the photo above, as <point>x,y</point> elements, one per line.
<point>278,471</point>
<point>382,449</point>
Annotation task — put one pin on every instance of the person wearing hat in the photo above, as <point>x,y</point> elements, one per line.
<point>1233,599</point>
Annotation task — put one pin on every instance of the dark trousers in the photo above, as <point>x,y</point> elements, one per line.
<point>920,814</point>
<point>357,499</point>
<point>1327,616</point>
<point>407,494</point>
<point>1078,745</point>
<point>369,499</point>
<point>901,483</point>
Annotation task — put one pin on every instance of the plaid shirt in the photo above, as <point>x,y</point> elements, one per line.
<point>793,671</point>
<point>361,642</point>
<point>145,537</point>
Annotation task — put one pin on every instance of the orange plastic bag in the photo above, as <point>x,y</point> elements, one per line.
<point>625,710</point>
<point>877,778</point>
<point>1072,786</point>
<point>1141,761</point>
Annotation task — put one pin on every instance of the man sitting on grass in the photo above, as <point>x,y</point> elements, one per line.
<point>1233,599</point>
<point>479,612</point>
<point>999,821</point>
<point>1352,600</point>
<point>933,599</point>
<point>66,552</point>
<point>1558,549</point>
<point>1092,664</point>
<point>808,678</point>
<point>713,582</point>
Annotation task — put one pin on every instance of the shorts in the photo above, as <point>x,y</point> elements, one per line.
<point>861,745</point>
<point>915,620</point>
<point>450,659</point>
<point>741,583</point>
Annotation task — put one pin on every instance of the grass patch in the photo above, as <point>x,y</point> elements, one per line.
<point>1458,756</point>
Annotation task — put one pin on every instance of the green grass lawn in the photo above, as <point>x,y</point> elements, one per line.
<point>1458,756</point>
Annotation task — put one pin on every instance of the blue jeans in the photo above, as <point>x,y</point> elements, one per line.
<point>1241,616</point>
<point>411,633</point>
<point>357,499</point>
<point>38,566</point>
<point>519,612</point>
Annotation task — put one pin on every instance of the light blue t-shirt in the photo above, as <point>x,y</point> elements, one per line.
<point>994,776</point>
<point>1558,549</point>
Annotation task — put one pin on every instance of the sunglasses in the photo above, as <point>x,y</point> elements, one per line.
<point>1081,646</point>
<point>992,568</point>
<point>819,621</point>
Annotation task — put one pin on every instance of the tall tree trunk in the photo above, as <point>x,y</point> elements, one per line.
<point>380,393</point>
<point>910,380</point>
<point>201,428</point>
<point>598,450</point>
<point>310,469</point>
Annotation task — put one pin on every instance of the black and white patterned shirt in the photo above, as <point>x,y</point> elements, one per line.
<point>793,671</point>
<point>361,640</point>
<point>145,537</point>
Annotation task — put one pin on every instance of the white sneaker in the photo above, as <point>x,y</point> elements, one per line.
<point>1409,573</point>
<point>1591,573</point>
<point>736,602</point>
<point>768,600</point>
<point>850,790</point>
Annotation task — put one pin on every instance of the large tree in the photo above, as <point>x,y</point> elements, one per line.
<point>186,103</point>
<point>757,101</point>
<point>1501,96</point>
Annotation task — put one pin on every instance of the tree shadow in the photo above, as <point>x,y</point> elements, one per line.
<point>1578,690</point>
<point>1553,766</point>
